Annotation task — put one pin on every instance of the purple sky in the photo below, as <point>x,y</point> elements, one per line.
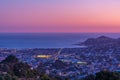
<point>60,16</point>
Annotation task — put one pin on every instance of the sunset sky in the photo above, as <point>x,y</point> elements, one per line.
<point>59,15</point>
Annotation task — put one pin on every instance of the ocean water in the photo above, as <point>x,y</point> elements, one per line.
<point>47,40</point>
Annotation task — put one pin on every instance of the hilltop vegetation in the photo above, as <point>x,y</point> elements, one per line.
<point>12,69</point>
<point>104,75</point>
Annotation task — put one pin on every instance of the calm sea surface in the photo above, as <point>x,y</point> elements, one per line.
<point>46,40</point>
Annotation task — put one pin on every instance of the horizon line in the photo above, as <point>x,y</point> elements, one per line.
<point>58,32</point>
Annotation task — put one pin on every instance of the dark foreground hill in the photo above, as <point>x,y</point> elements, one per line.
<point>104,75</point>
<point>13,69</point>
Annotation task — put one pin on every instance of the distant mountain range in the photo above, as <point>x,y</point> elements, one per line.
<point>101,41</point>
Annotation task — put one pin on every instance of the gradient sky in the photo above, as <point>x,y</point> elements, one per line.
<point>59,15</point>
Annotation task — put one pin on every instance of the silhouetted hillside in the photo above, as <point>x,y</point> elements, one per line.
<point>12,69</point>
<point>101,41</point>
<point>104,75</point>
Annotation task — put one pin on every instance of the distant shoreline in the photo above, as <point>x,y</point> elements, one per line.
<point>47,40</point>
